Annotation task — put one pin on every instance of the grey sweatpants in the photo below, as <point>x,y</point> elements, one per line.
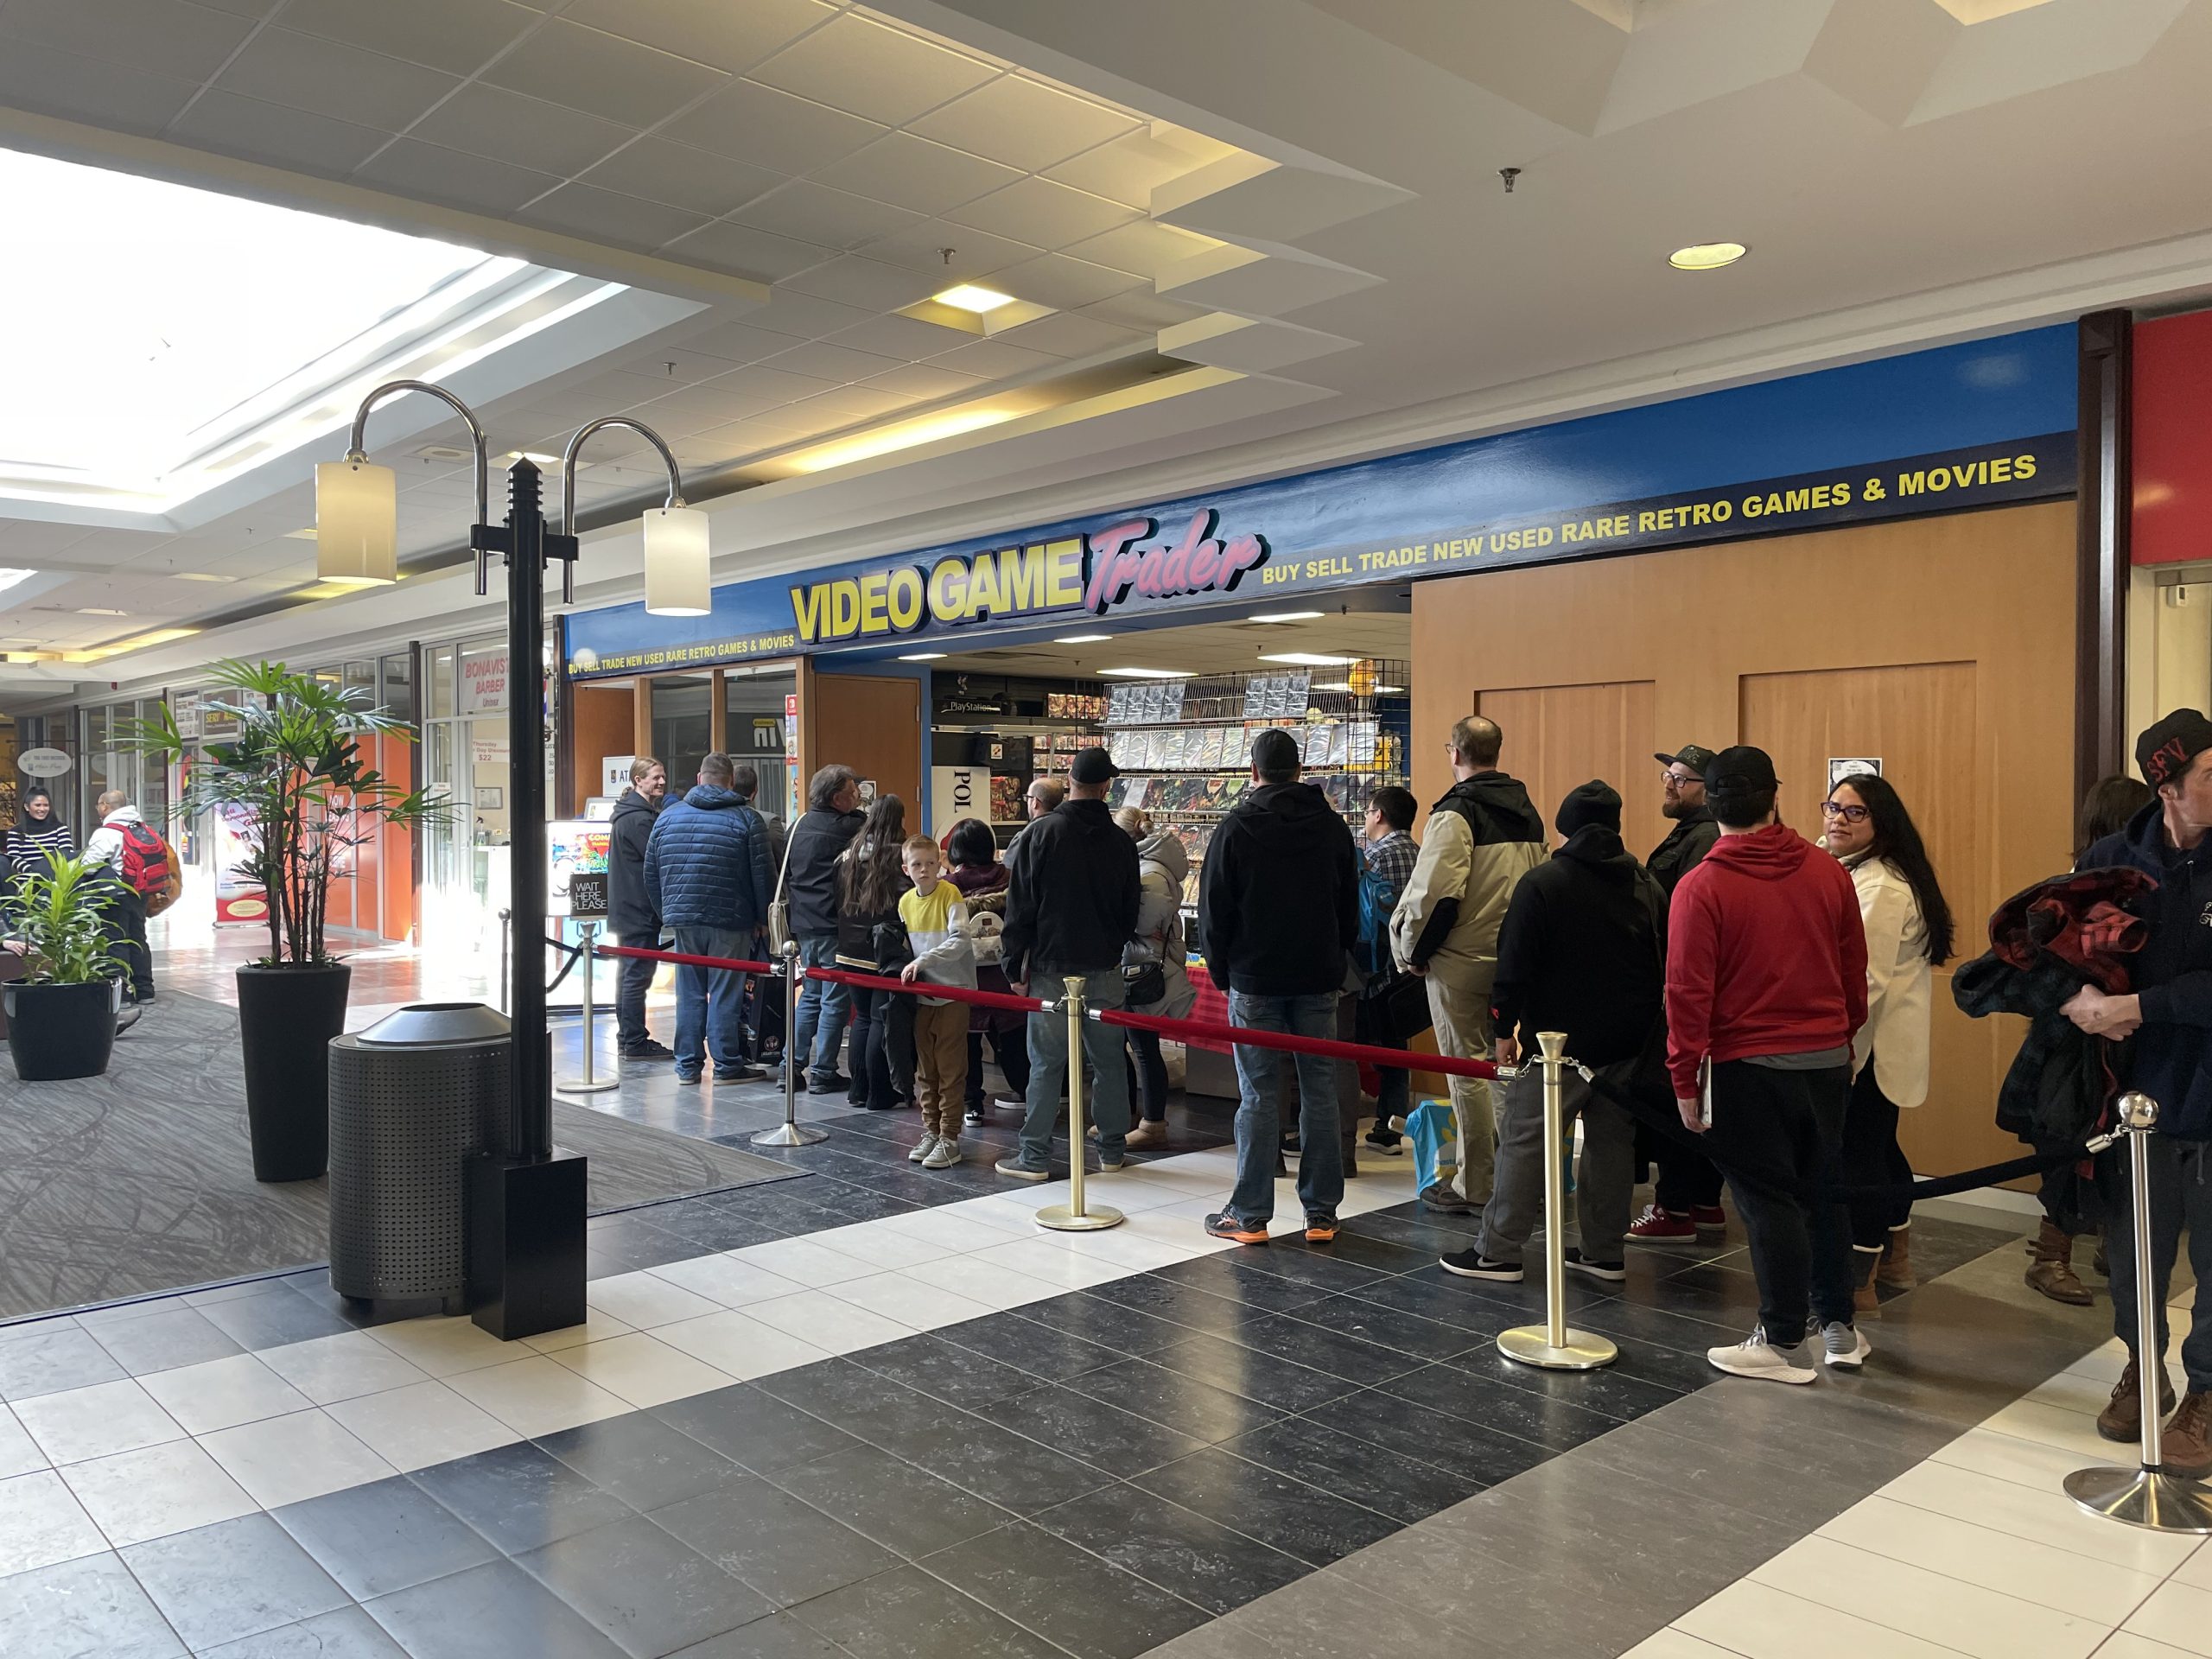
<point>1603,1184</point>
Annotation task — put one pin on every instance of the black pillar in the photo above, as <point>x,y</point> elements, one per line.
<point>2103,493</point>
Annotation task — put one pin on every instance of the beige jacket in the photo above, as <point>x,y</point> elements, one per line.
<point>1481,878</point>
<point>1897,982</point>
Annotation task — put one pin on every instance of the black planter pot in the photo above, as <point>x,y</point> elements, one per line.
<point>56,1032</point>
<point>287,1017</point>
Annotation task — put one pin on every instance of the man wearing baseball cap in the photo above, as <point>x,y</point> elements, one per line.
<point>1766,984</point>
<point>2169,1015</point>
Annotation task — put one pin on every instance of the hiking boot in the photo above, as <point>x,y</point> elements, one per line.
<point>2051,1266</point>
<point>1656,1223</point>
<point>2186,1448</point>
<point>1756,1357</point>
<point>2122,1417</point>
<point>1222,1224</point>
<point>1895,1268</point>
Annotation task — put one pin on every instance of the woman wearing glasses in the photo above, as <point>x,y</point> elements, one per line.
<point>1907,935</point>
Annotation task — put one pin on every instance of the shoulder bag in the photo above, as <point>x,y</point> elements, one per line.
<point>779,908</point>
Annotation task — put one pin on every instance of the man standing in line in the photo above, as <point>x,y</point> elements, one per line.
<point>1278,914</point>
<point>1685,1194</point>
<point>1583,952</point>
<point>1071,902</point>
<point>708,876</point>
<point>1482,837</point>
<point>630,913</point>
<point>817,841</point>
<point>1389,852</point>
<point>137,860</point>
<point>2170,1014</point>
<point>1043,795</point>
<point>1766,985</point>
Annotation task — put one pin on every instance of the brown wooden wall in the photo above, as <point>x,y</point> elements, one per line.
<point>605,724</point>
<point>873,726</point>
<point>1945,645</point>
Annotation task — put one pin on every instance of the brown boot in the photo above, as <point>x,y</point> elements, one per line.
<point>2186,1447</point>
<point>1895,1268</point>
<point>1147,1135</point>
<point>2051,1266</point>
<point>1864,1302</point>
<point>2122,1417</point>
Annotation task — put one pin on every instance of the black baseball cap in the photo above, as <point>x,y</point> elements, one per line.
<point>1093,765</point>
<point>1735,775</point>
<point>1275,750</point>
<point>1695,756</point>
<point>2164,751</point>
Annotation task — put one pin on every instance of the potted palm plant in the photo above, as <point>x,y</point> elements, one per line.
<point>295,781</point>
<point>61,1016</point>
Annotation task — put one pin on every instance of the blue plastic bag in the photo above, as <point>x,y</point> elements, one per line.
<point>1433,1128</point>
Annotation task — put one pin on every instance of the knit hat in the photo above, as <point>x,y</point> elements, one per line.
<point>2163,753</point>
<point>1588,804</point>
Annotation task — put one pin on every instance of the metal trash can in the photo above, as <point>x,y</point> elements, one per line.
<point>410,1098</point>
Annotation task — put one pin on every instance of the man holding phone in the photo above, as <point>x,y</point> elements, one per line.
<point>1766,983</point>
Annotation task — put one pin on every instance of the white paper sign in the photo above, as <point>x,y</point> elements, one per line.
<point>1841,766</point>
<point>43,763</point>
<point>483,682</point>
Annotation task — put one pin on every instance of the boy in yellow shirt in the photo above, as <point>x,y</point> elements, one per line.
<point>933,912</point>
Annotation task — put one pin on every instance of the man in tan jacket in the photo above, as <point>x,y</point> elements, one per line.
<point>1482,837</point>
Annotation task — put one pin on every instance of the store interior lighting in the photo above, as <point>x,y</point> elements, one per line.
<point>1307,659</point>
<point>971,296</point>
<point>1707,256</point>
<point>1146,673</point>
<point>1083,638</point>
<point>921,656</point>
<point>1287,616</point>
<point>889,440</point>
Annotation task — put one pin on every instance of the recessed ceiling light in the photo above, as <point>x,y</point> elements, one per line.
<point>969,296</point>
<point>532,457</point>
<point>921,656</point>
<point>1286,616</point>
<point>1707,256</point>
<point>1082,639</point>
<point>99,610</point>
<point>1308,659</point>
<point>1147,673</point>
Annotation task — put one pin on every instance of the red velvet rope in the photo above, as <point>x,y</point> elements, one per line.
<point>927,988</point>
<point>689,961</point>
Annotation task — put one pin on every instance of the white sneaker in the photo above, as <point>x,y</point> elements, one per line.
<point>923,1147</point>
<point>1756,1357</point>
<point>1009,1103</point>
<point>945,1154</point>
<point>1845,1345</point>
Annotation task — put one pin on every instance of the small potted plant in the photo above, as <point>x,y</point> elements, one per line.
<point>61,1016</point>
<point>304,797</point>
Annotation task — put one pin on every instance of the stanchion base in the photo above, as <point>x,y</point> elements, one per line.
<point>1531,1344</point>
<point>1095,1218</point>
<point>2144,1498</point>
<point>578,1086</point>
<point>790,1135</point>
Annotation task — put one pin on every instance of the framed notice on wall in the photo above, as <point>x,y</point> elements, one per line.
<point>1841,766</point>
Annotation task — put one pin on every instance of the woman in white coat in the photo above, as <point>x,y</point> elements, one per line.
<point>1907,935</point>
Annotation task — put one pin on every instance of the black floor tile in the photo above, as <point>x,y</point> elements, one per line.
<point>1476,1451</point>
<point>519,1496</point>
<point>1404,1333</point>
<point>1724,1295</point>
<point>492,1611</point>
<point>1444,1301</point>
<point>1184,1404</point>
<point>1352,1468</point>
<point>635,1245</point>
<point>714,1228</point>
<point>1065,1594</point>
<point>1045,1351</point>
<point>1125,1330</point>
<point>162,1341</point>
<point>88,1606</point>
<point>1622,1391</point>
<point>1266,1378</point>
<point>867,1406</point>
<point>1284,1336</point>
<point>235,1579</point>
<point>907,1614</point>
<point>1299,1520</point>
<point>1551,1420</point>
<point>779,1635</point>
<point>1228,1275</point>
<point>1098,1432</point>
<point>1180,1550</point>
<point>944,1371</point>
<point>900,1507</point>
<point>1182,1304</point>
<point>1358,1250</point>
<point>1628,1322</point>
<point>760,1432</point>
<point>1431,1234</point>
<point>1315,1267</point>
<point>641,1586</point>
<point>387,1535</point>
<point>348,1633</point>
<point>999,1466</point>
<point>787,1550</point>
<point>641,1460</point>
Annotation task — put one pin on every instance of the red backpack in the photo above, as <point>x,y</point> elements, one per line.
<point>145,861</point>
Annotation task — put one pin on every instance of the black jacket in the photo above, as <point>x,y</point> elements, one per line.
<point>1584,950</point>
<point>2171,1059</point>
<point>1072,893</point>
<point>818,840</point>
<point>1690,840</point>
<point>1279,895</point>
<point>630,910</point>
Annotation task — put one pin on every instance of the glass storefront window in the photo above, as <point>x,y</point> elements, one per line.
<point>395,685</point>
<point>683,723</point>
<point>752,727</point>
<point>440,676</point>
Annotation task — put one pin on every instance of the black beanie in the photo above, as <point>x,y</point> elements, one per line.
<point>1588,804</point>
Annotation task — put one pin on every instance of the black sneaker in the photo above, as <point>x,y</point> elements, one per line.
<point>1387,1141</point>
<point>1473,1264</point>
<point>1613,1272</point>
<point>648,1049</point>
<point>827,1082</point>
<point>687,1074</point>
<point>1442,1199</point>
<point>739,1074</point>
<point>973,1115</point>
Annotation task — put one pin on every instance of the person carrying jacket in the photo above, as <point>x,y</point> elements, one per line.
<point>1482,837</point>
<point>811,853</point>
<point>123,905</point>
<point>1766,985</point>
<point>1071,904</point>
<point>709,878</point>
<point>1583,950</point>
<point>1163,866</point>
<point>1278,906</point>
<point>2169,1014</point>
<point>631,914</point>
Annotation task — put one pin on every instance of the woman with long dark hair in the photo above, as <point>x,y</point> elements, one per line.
<point>870,878</point>
<point>972,851</point>
<point>1907,935</point>
<point>38,830</point>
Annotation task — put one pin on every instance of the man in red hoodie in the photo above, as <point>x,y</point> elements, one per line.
<point>1766,982</point>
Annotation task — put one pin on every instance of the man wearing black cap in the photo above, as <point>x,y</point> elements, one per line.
<point>1072,905</point>
<point>1766,984</point>
<point>1279,905</point>
<point>1583,952</point>
<point>2169,1015</point>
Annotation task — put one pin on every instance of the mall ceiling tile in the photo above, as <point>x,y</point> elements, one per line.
<point>681,176</point>
<point>747,252</point>
<point>1144,247</point>
<point>1126,169</point>
<point>844,406</point>
<point>867,283</point>
<point>905,339</point>
<point>169,37</point>
<point>1064,334</point>
<point>349,83</point>
<point>925,381</point>
<point>695,407</point>
<point>1043,214</point>
<point>749,437</point>
<point>728,34</point>
<point>682,366</point>
<point>455,177</point>
<point>1245,198</point>
<point>1141,309</point>
<point>922,247</point>
<point>459,36</point>
<point>804,316</point>
<point>1257,282</point>
<point>269,132</point>
<point>617,389</point>
<point>603,74</point>
<point>53,82</point>
<point>521,131</point>
<point>833,219</point>
<point>839,365</point>
<point>1248,345</point>
<point>1553,61</point>
<point>1881,56</point>
<point>1024,124</point>
<point>774,386</point>
<point>857,64</point>
<point>994,360</point>
<point>609,216</point>
<point>916,173</point>
<point>1064,282</point>
<point>726,344</point>
<point>758,125</point>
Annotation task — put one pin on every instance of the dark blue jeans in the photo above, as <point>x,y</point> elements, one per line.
<point>709,1002</point>
<point>634,978</point>
<point>823,1009</point>
<point>1259,1112</point>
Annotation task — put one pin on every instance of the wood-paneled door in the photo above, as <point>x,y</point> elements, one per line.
<point>1559,737</point>
<point>872,725</point>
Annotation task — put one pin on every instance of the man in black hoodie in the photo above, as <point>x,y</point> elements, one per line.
<point>1279,905</point>
<point>1583,950</point>
<point>808,883</point>
<point>632,916</point>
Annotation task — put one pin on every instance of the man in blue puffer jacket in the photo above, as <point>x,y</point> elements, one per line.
<point>710,874</point>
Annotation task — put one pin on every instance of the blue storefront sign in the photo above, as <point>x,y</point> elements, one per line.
<point>1960,426</point>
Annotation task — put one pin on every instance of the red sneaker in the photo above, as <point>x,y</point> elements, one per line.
<point>1711,1220</point>
<point>1656,1223</point>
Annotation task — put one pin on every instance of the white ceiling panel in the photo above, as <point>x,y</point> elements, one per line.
<point>728,34</point>
<point>1063,283</point>
<point>740,248</point>
<point>1064,334</point>
<point>925,381</point>
<point>1024,124</point>
<point>1143,246</point>
<point>975,253</point>
<point>866,284</point>
<point>904,339</point>
<point>603,74</point>
<point>694,407</point>
<point>844,406</point>
<point>805,316</point>
<point>305,71</point>
<point>54,82</point>
<point>169,38</point>
<point>857,64</point>
<point>610,216</point>
<point>838,364</point>
<point>459,36</point>
<point>993,360</point>
<point>751,123</point>
<point>1141,309</point>
<point>269,133</point>
<point>683,176</point>
<point>729,343</point>
<point>684,365</point>
<point>917,174</point>
<point>433,173</point>
<point>1043,214</point>
<point>833,219</point>
<point>777,386</point>
<point>521,132</point>
<point>1124,169</point>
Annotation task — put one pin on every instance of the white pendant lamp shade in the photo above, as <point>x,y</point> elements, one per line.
<point>356,523</point>
<point>677,582</point>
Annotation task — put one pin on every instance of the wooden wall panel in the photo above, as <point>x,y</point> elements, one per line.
<point>1562,736</point>
<point>873,726</point>
<point>604,723</point>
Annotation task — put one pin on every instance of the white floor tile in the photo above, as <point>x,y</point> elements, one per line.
<point>1126,1248</point>
<point>805,1262</point>
<point>286,1459</point>
<point>440,1347</point>
<point>159,1490</point>
<point>1046,1258</point>
<point>948,1227</point>
<point>2071,1391</point>
<point>93,1422</point>
<point>535,1397</point>
<point>2045,1514</point>
<point>1130,1193</point>
<point>597,1327</point>
<point>2054,1426</point>
<point>828,1322</point>
<point>42,1522</point>
<point>1032,1195</point>
<point>992,1211</point>
<point>1675,1644</point>
<point>2196,1569</point>
<point>223,1393</point>
<point>1918,1601</point>
<point>993,1285</point>
<point>727,1281</point>
<point>214,1293</point>
<point>1759,1622</point>
<point>644,1370</point>
<point>739,1345</point>
<point>2027,1463</point>
<point>414,1428</point>
<point>641,1301</point>
<point>913,1298</point>
<point>2012,1566</point>
<point>885,1246</point>
<point>19,1453</point>
<point>327,1368</point>
<point>2126,1644</point>
<point>2178,1614</point>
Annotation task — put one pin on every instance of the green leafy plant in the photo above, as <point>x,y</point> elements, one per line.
<point>295,781</point>
<point>58,916</point>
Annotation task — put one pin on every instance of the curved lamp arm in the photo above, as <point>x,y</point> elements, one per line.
<point>392,388</point>
<point>564,525</point>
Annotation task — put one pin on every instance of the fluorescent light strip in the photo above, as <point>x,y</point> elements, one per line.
<point>1083,638</point>
<point>1147,673</point>
<point>1286,616</point>
<point>1308,659</point>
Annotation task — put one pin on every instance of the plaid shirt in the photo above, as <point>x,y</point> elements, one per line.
<point>1393,857</point>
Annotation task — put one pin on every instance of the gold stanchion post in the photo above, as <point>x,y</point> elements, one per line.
<point>1551,1345</point>
<point>1072,1217</point>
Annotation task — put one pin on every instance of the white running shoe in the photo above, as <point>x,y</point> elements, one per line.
<point>1845,1345</point>
<point>945,1154</point>
<point>1756,1357</point>
<point>923,1147</point>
